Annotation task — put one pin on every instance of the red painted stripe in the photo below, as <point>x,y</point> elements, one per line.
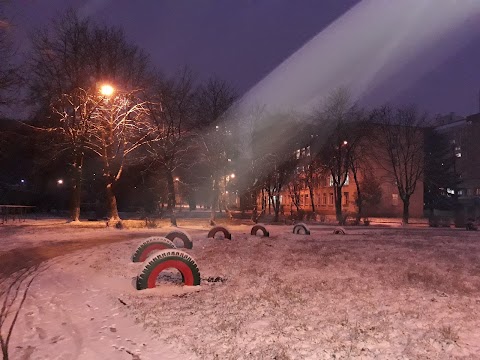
<point>176,264</point>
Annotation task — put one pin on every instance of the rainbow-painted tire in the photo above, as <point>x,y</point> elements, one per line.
<point>260,227</point>
<point>150,245</point>
<point>165,259</point>
<point>187,241</point>
<point>213,231</point>
<point>301,229</point>
<point>339,231</point>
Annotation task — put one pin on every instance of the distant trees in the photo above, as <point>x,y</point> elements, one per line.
<point>171,111</point>
<point>171,125</point>
<point>215,140</point>
<point>401,151</point>
<point>9,69</point>
<point>339,151</point>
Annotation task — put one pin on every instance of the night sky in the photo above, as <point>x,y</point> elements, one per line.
<point>242,41</point>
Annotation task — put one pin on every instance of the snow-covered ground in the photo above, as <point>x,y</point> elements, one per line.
<point>375,293</point>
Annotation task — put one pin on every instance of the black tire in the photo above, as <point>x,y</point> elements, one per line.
<point>261,227</point>
<point>166,259</point>
<point>150,245</point>
<point>213,231</point>
<point>186,239</point>
<point>339,231</point>
<point>301,229</point>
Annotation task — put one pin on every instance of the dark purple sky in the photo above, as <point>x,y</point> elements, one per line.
<point>242,41</point>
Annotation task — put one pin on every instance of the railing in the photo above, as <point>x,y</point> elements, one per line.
<point>14,212</point>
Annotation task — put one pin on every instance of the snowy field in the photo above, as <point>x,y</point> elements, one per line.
<point>375,293</point>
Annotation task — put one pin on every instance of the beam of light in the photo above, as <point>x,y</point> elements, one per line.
<point>362,50</point>
<point>359,51</point>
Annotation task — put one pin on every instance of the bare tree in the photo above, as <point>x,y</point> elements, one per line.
<point>336,152</point>
<point>276,140</point>
<point>9,70</point>
<point>71,59</point>
<point>61,94</point>
<point>120,128</point>
<point>401,141</point>
<point>170,110</point>
<point>215,137</point>
<point>360,161</point>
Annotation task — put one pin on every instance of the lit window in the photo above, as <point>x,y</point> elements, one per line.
<point>394,199</point>
<point>347,180</point>
<point>458,151</point>
<point>308,151</point>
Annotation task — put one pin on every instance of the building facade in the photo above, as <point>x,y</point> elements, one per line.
<point>464,137</point>
<point>376,169</point>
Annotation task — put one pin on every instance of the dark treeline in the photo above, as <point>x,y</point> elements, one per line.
<point>150,138</point>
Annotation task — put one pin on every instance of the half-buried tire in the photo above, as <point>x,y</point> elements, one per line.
<point>166,259</point>
<point>150,245</point>
<point>186,239</point>
<point>260,227</point>
<point>339,231</point>
<point>213,231</point>
<point>301,229</point>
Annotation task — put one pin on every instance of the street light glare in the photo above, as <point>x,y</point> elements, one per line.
<point>232,176</point>
<point>107,90</point>
<point>59,181</point>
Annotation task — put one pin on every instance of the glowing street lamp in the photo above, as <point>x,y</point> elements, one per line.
<point>107,90</point>
<point>232,176</point>
<point>60,181</point>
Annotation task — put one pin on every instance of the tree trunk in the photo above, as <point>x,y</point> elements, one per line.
<point>276,208</point>
<point>264,202</point>
<point>406,204</point>
<point>214,202</point>
<point>171,203</point>
<point>76,191</point>
<point>171,191</point>
<point>310,189</point>
<point>76,199</point>
<point>338,206</point>
<point>76,196</point>
<point>359,198</point>
<point>112,203</point>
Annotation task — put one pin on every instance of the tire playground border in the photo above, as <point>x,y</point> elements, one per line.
<point>150,245</point>
<point>261,227</point>
<point>165,259</point>
<point>187,240</point>
<point>301,227</point>
<point>213,231</point>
